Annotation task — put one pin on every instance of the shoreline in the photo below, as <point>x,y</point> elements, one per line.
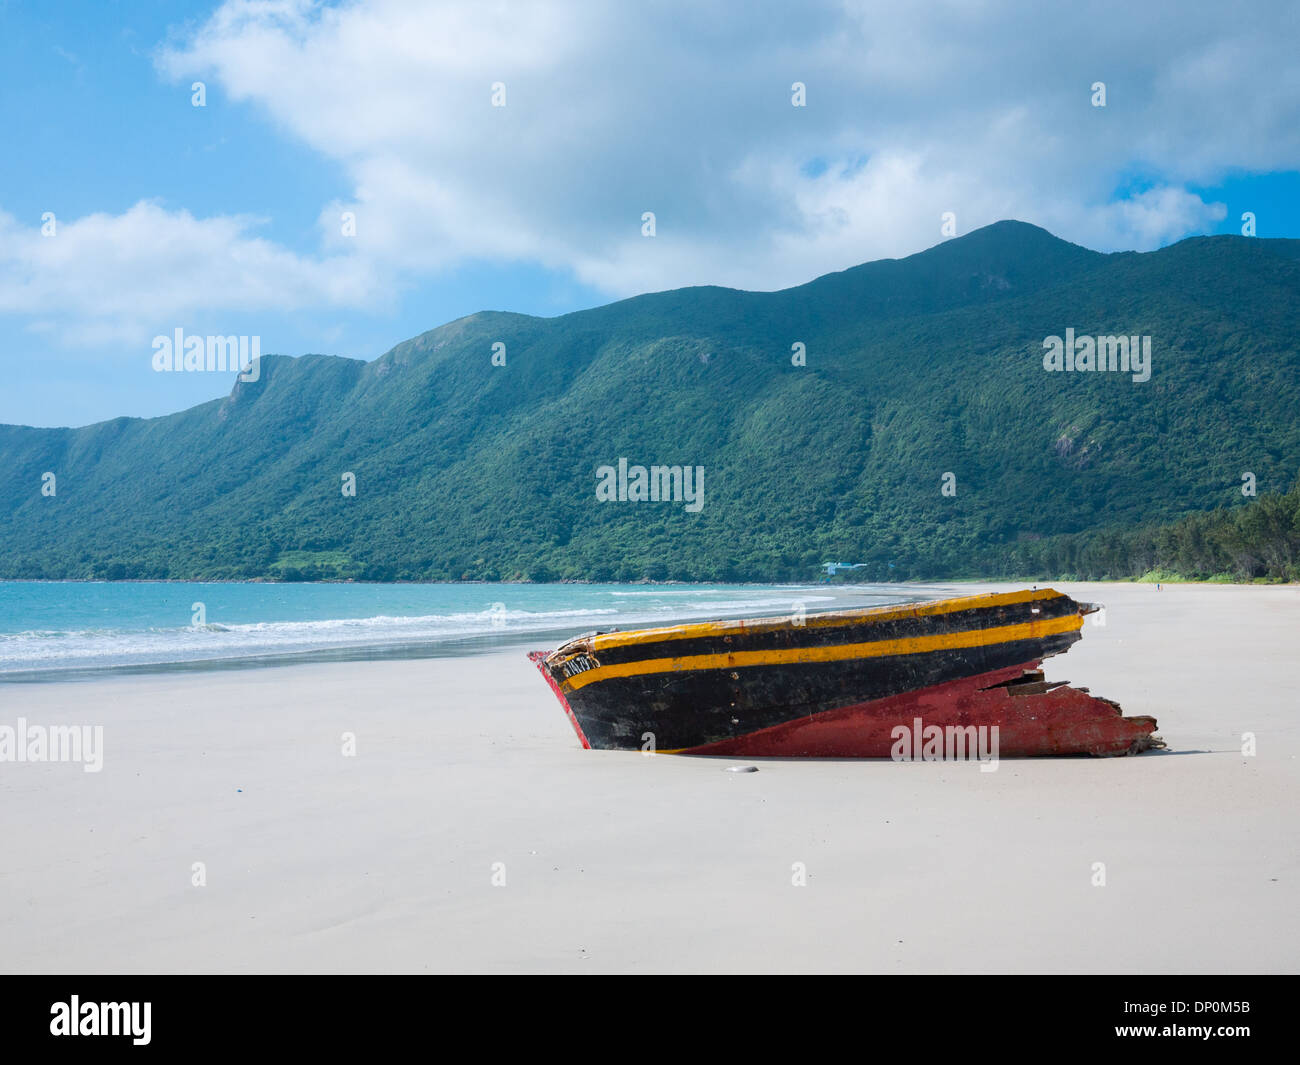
<point>474,643</point>
<point>467,641</point>
<point>647,582</point>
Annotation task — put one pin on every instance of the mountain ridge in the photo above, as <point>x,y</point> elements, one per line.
<point>916,367</point>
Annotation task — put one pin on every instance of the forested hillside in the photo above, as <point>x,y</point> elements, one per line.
<point>915,369</point>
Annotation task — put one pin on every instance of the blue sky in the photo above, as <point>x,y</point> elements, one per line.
<point>225,219</point>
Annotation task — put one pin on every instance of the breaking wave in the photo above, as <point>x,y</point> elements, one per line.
<point>561,609</point>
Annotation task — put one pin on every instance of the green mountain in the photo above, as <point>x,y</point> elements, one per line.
<point>915,368</point>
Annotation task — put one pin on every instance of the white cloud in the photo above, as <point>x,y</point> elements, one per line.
<point>105,277</point>
<point>683,109</point>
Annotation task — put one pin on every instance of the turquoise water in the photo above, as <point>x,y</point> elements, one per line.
<point>63,626</point>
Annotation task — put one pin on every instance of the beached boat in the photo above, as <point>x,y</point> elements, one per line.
<point>843,684</point>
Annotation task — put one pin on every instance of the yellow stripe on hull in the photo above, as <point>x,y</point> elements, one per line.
<point>698,630</point>
<point>876,649</point>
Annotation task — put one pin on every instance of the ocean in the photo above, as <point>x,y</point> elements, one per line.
<point>56,628</point>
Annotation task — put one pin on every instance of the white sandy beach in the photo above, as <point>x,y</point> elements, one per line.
<point>623,863</point>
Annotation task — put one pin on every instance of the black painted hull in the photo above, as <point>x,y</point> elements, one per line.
<point>723,685</point>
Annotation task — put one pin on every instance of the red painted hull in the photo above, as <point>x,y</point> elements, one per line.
<point>950,679</point>
<point>537,658</point>
<point>1060,721</point>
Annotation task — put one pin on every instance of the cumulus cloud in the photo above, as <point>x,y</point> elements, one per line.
<point>107,277</point>
<point>684,108</point>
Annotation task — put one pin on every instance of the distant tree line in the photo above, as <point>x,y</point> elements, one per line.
<point>1259,540</point>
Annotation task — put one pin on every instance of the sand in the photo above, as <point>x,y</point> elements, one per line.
<point>614,862</point>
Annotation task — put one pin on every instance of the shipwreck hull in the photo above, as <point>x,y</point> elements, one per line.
<point>839,685</point>
<point>1058,721</point>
